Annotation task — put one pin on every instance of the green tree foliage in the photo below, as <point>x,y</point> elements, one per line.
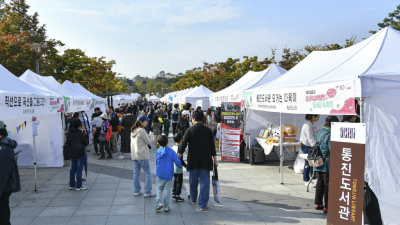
<point>158,87</point>
<point>150,86</point>
<point>393,20</point>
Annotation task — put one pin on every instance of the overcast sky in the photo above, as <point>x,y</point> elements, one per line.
<point>147,36</point>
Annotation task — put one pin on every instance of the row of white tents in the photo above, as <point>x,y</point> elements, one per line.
<point>368,71</point>
<point>197,96</point>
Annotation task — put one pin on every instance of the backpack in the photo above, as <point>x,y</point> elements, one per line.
<point>314,157</point>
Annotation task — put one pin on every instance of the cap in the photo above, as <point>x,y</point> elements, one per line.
<point>143,118</point>
<point>2,125</point>
<point>185,112</point>
<point>104,116</point>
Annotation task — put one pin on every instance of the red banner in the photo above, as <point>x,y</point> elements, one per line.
<point>230,131</point>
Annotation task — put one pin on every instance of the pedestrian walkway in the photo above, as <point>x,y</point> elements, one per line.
<point>250,195</point>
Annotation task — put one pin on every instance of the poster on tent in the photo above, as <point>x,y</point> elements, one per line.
<point>230,125</point>
<point>17,105</point>
<point>101,103</point>
<point>322,99</point>
<point>346,185</point>
<point>73,104</point>
<point>57,104</point>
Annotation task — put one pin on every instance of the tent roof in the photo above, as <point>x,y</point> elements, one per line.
<point>16,85</point>
<point>74,88</point>
<point>374,60</point>
<point>200,92</point>
<point>85,91</point>
<point>254,79</point>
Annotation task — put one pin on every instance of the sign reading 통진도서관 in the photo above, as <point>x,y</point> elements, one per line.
<point>230,125</point>
<point>322,99</point>
<point>346,175</point>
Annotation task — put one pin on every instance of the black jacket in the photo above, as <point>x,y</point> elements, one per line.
<point>141,107</point>
<point>134,108</point>
<point>183,125</point>
<point>114,122</point>
<point>76,141</point>
<point>201,147</point>
<point>9,174</point>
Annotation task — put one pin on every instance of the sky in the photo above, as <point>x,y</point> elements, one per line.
<point>149,36</point>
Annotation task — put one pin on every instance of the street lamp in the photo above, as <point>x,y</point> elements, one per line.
<point>37,47</point>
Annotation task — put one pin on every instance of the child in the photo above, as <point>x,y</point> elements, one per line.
<point>178,172</point>
<point>165,171</point>
<point>166,125</point>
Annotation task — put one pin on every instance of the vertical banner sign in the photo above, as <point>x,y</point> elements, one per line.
<point>346,185</point>
<point>34,126</point>
<point>230,124</point>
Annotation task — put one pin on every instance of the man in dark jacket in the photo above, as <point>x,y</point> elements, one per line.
<point>76,142</point>
<point>200,159</point>
<point>183,123</point>
<point>114,121</point>
<point>175,114</point>
<point>134,109</point>
<point>9,175</point>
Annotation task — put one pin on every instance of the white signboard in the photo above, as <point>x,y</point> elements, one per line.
<point>321,99</point>
<point>17,105</point>
<point>199,103</point>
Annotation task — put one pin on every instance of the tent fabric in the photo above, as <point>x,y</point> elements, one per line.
<point>199,93</point>
<point>154,98</point>
<point>180,94</point>
<point>248,81</point>
<point>373,65</point>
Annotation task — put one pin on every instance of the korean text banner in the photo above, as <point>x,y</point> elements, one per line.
<point>230,124</point>
<point>73,104</point>
<point>321,99</point>
<point>18,105</point>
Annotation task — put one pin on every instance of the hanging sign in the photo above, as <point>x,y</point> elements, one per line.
<point>322,99</point>
<point>230,135</point>
<point>73,104</point>
<point>18,105</point>
<point>346,176</point>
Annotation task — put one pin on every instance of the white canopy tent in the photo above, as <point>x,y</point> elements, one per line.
<point>180,94</point>
<point>234,93</point>
<point>200,94</point>
<point>154,98</point>
<point>370,70</point>
<point>85,103</point>
<point>19,102</point>
<point>97,101</point>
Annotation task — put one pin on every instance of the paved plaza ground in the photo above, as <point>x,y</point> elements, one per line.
<point>250,195</point>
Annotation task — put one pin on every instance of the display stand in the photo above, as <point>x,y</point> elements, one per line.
<point>269,148</point>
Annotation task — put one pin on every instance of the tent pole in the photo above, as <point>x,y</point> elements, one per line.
<point>281,148</point>
<point>62,132</point>
<point>361,110</point>
<point>34,159</point>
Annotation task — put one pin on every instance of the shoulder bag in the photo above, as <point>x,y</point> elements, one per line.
<point>314,157</point>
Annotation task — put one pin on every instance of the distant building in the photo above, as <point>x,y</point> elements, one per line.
<point>144,80</point>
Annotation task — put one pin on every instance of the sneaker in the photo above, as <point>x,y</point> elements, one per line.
<point>312,184</point>
<point>178,199</point>
<point>81,188</point>
<point>121,157</point>
<point>319,207</point>
<point>204,209</point>
<point>71,188</point>
<point>109,157</point>
<point>152,194</point>
<point>173,196</point>
<point>190,200</point>
<point>159,206</point>
<point>114,153</point>
<point>137,193</point>
<point>325,210</point>
<point>102,157</point>
<point>88,151</point>
<point>166,209</point>
<point>83,179</point>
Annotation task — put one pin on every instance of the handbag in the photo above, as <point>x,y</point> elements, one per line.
<point>66,152</point>
<point>314,157</point>
<point>216,186</point>
<point>109,133</point>
<point>102,137</point>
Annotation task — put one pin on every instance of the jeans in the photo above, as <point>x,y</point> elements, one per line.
<point>308,171</point>
<point>203,176</point>
<point>5,208</point>
<point>161,186</point>
<point>177,184</point>
<point>322,188</point>
<point>76,170</point>
<point>145,165</point>
<point>174,128</point>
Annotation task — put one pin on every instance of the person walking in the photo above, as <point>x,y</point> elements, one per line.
<point>96,123</point>
<point>167,125</point>
<point>140,155</point>
<point>322,187</point>
<point>165,159</point>
<point>9,174</point>
<point>156,125</point>
<point>120,114</point>
<point>150,115</point>
<point>103,141</point>
<point>160,113</point>
<point>178,172</point>
<point>307,140</point>
<point>200,159</point>
<point>114,121</point>
<point>127,122</point>
<point>183,123</point>
<point>76,143</point>
<point>134,109</point>
<point>210,121</point>
<point>175,116</point>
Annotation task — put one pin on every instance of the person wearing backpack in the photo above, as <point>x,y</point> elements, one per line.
<point>322,186</point>
<point>9,174</point>
<point>77,142</point>
<point>307,140</point>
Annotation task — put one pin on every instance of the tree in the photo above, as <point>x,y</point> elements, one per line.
<point>121,86</point>
<point>158,87</point>
<point>150,86</point>
<point>392,21</point>
<point>139,87</point>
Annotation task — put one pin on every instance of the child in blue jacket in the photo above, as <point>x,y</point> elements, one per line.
<point>165,159</point>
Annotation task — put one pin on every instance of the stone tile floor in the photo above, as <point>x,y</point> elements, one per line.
<point>250,195</point>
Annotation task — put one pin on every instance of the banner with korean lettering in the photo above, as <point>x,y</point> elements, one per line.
<point>230,125</point>
<point>320,99</point>
<point>101,103</point>
<point>346,176</point>
<point>73,104</point>
<point>17,105</point>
